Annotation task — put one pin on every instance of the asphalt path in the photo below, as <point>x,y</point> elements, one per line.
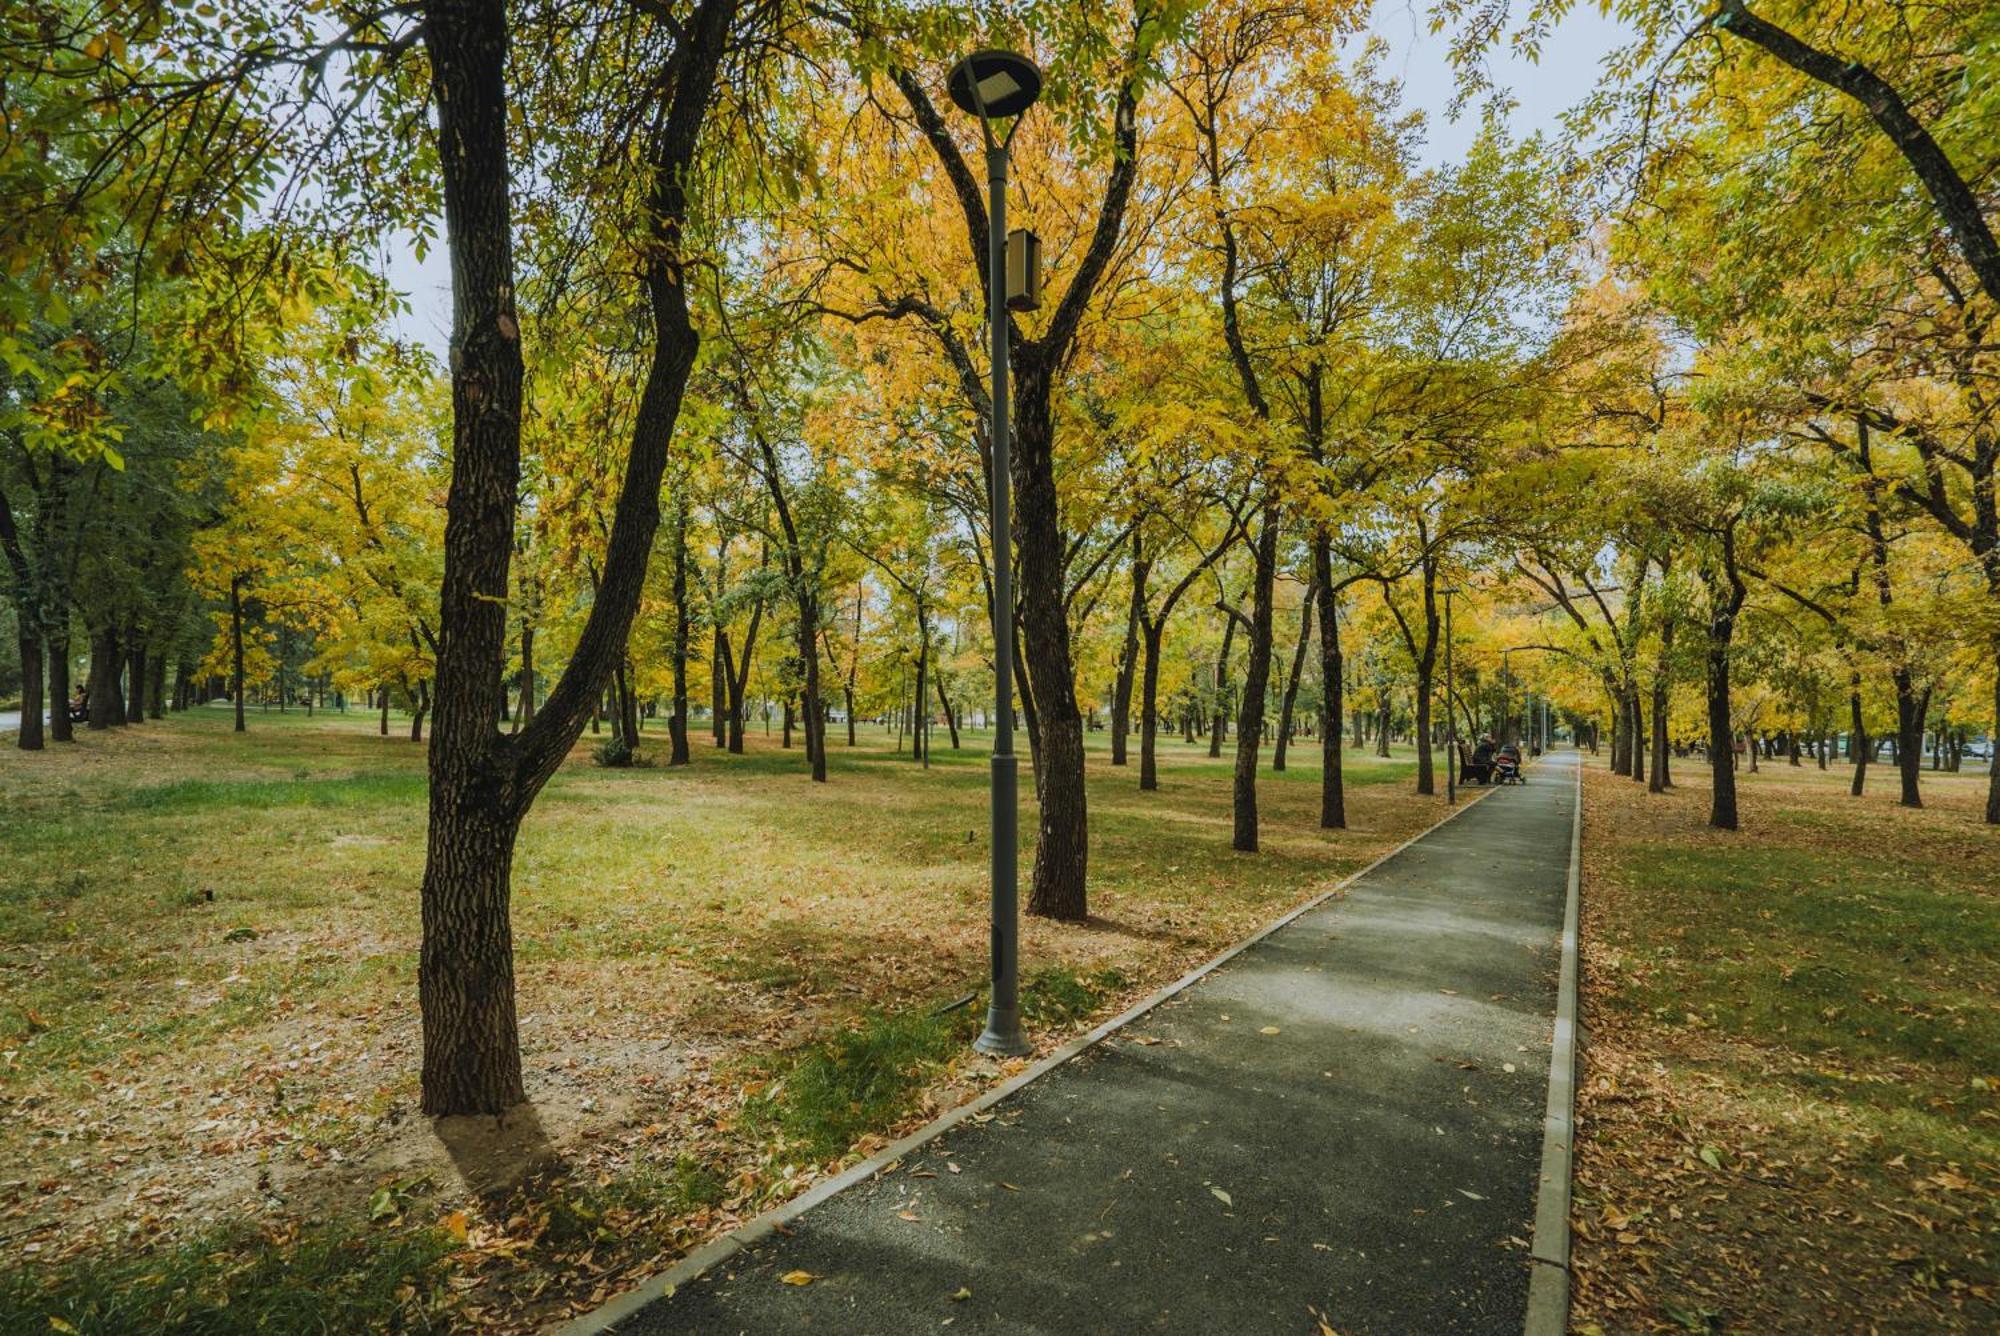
<point>1342,1124</point>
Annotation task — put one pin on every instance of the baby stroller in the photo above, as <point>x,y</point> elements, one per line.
<point>1507,767</point>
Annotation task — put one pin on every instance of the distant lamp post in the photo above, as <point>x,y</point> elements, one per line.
<point>994,86</point>
<point>1450,707</point>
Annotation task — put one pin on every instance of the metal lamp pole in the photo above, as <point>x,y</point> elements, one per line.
<point>1450,708</point>
<point>996,85</point>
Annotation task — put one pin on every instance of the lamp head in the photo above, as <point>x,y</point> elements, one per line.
<point>993,85</point>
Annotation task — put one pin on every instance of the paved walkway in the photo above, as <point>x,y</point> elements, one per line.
<point>1372,1161</point>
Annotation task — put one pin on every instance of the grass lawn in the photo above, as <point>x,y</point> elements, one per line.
<point>730,980</point>
<point>1791,1092</point>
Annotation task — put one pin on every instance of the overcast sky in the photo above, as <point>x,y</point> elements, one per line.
<point>1568,69</point>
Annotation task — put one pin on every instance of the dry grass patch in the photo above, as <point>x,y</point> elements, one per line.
<point>728,978</point>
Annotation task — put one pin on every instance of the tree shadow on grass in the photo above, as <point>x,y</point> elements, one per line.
<point>495,1156</point>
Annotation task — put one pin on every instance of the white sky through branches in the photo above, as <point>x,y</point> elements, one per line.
<point>1542,92</point>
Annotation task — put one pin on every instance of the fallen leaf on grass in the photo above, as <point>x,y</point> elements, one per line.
<point>906,1215</point>
<point>964,1293</point>
<point>1269,1029</point>
<point>798,1278</point>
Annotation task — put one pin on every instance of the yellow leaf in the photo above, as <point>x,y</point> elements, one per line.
<point>798,1278</point>
<point>455,1224</point>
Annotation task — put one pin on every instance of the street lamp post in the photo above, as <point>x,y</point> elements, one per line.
<point>998,85</point>
<point>1450,707</point>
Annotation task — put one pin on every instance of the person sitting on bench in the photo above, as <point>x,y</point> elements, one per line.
<point>1480,768</point>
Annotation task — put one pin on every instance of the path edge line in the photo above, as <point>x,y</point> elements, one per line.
<point>1549,1278</point>
<point>726,1245</point>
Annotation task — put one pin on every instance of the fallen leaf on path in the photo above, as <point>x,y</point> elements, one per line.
<point>964,1293</point>
<point>798,1278</point>
<point>1269,1029</point>
<point>1222,1196</point>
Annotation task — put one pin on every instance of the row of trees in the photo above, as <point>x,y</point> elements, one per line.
<point>713,424</point>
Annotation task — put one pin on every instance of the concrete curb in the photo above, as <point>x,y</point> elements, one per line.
<point>1548,1281</point>
<point>725,1246</point>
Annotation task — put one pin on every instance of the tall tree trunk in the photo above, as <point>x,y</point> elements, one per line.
<point>1993,756</point>
<point>1909,736</point>
<point>527,712</point>
<point>106,704</point>
<point>1062,855</point>
<point>156,686</point>
<point>1219,710</point>
<point>136,662</point>
<point>814,717</point>
<point>481,785</point>
<point>628,702</point>
<point>235,648</point>
<point>944,704</point>
<point>854,663</point>
<point>61,729</point>
<point>718,687</point>
<point>1128,658</point>
<point>1256,682</point>
<point>1291,693</point>
<point>1332,783</point>
<point>1149,706</point>
<point>677,722</point>
<point>1726,593</point>
<point>32,705</point>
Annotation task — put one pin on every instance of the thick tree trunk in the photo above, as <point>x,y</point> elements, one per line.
<point>718,688</point>
<point>1993,758</point>
<point>61,729</point>
<point>677,722</point>
<point>1256,682</point>
<point>32,705</point>
<point>1332,783</point>
<point>1909,737</point>
<point>107,706</point>
<point>481,785</point>
<point>1062,856</point>
<point>1859,746</point>
<point>1726,593</point>
<point>1721,736</point>
<point>236,648</point>
<point>136,662</point>
<point>1149,711</point>
<point>814,717</point>
<point>1426,766</point>
<point>1291,695</point>
<point>1638,731</point>
<point>156,686</point>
